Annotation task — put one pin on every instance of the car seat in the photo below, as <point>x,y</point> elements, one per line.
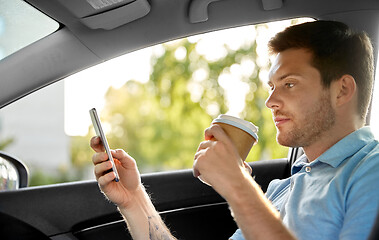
<point>374,235</point>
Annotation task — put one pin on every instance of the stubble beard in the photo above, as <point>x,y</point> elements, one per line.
<point>314,123</point>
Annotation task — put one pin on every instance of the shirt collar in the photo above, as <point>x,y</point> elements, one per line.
<point>343,149</point>
<point>299,163</point>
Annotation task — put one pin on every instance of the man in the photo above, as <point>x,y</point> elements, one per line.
<point>321,83</point>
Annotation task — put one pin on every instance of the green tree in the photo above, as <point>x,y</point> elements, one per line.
<point>157,122</point>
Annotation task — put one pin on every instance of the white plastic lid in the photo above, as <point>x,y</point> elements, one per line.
<point>246,126</point>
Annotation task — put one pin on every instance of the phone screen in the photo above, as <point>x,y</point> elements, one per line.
<point>99,132</point>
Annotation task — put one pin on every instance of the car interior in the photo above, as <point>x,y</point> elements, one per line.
<point>90,32</point>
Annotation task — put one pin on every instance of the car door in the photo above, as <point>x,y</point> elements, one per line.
<point>191,209</point>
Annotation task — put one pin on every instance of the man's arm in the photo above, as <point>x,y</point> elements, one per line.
<point>219,164</point>
<point>254,214</point>
<point>361,199</point>
<point>128,194</point>
<point>143,220</point>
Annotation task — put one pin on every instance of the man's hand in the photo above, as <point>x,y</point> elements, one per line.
<point>121,193</point>
<point>218,163</point>
<point>128,194</point>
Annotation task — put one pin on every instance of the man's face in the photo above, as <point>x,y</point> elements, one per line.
<point>300,105</point>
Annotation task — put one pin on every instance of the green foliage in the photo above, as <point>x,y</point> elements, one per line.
<point>161,122</point>
<point>6,142</point>
<point>39,177</point>
<point>81,153</point>
<point>157,122</point>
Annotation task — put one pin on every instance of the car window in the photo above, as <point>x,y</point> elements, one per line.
<point>21,25</point>
<point>155,103</point>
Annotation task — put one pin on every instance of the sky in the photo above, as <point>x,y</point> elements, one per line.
<point>86,89</point>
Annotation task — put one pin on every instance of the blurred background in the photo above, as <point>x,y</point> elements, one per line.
<point>155,103</point>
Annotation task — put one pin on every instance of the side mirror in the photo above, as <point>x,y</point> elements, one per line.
<point>13,173</point>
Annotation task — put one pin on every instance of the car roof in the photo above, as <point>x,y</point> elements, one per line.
<point>94,31</point>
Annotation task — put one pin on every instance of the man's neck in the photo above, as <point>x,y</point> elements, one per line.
<point>328,139</point>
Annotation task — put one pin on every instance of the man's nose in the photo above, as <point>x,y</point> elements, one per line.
<point>273,102</point>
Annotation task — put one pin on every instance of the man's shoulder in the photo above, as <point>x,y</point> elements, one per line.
<point>365,165</point>
<point>368,156</point>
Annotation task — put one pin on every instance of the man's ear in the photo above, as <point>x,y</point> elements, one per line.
<point>345,89</point>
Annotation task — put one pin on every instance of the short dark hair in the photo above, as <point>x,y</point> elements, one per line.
<point>337,50</point>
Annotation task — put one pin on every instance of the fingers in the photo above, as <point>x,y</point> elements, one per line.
<point>120,157</point>
<point>208,134</point>
<point>96,144</point>
<point>215,132</point>
<point>201,153</point>
<point>216,152</point>
<point>99,157</point>
<point>102,169</point>
<point>104,180</point>
<point>204,145</point>
<point>125,159</point>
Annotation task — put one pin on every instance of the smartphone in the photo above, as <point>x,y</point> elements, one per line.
<point>99,132</point>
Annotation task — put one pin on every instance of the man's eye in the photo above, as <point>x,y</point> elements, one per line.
<point>290,85</point>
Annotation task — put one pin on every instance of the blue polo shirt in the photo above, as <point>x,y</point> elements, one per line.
<point>334,197</point>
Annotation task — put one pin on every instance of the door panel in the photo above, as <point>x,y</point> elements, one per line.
<point>79,210</point>
<point>203,222</point>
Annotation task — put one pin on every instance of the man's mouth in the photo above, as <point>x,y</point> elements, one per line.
<point>280,121</point>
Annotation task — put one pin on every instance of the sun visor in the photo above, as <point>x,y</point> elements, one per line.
<point>106,14</point>
<point>116,17</point>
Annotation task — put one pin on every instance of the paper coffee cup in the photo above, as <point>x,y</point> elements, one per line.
<point>241,132</point>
